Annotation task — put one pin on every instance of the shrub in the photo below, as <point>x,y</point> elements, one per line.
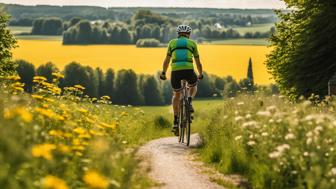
<point>162,122</point>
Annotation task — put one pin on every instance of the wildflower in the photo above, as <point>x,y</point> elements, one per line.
<point>13,78</point>
<point>57,75</point>
<point>238,118</point>
<point>279,151</point>
<point>271,109</point>
<point>248,116</point>
<point>123,114</point>
<point>43,150</point>
<point>238,137</point>
<point>37,97</point>
<point>240,103</point>
<point>333,171</point>
<point>56,133</point>
<point>264,134</point>
<point>290,136</point>
<point>79,87</point>
<point>112,126</point>
<point>94,180</point>
<point>52,182</point>
<point>264,113</point>
<point>82,110</point>
<point>251,143</point>
<point>250,124</point>
<point>64,149</point>
<point>18,111</point>
<point>39,79</point>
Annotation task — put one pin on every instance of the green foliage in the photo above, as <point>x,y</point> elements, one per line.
<point>47,26</point>
<point>26,72</point>
<point>148,43</point>
<point>7,42</point>
<point>162,122</point>
<point>303,59</point>
<point>126,83</point>
<point>109,84</point>
<point>151,92</point>
<point>46,71</point>
<point>271,141</point>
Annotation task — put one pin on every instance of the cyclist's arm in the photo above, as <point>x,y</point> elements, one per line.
<point>199,66</point>
<point>166,63</point>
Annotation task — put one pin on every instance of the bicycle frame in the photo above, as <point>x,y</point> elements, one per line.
<point>185,116</point>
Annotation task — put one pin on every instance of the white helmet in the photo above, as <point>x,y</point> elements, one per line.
<point>183,29</point>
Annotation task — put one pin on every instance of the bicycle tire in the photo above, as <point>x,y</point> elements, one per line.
<point>188,123</point>
<point>180,126</point>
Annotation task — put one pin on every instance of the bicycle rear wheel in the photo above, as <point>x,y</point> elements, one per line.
<point>187,124</point>
<point>181,118</point>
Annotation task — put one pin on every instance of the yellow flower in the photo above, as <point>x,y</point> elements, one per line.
<point>37,97</point>
<point>64,149</point>
<point>18,111</point>
<point>43,150</point>
<point>94,180</point>
<point>112,126</point>
<point>58,75</point>
<point>56,133</point>
<point>13,78</point>
<point>49,114</point>
<point>39,79</point>
<point>82,110</point>
<point>52,182</point>
<point>79,87</point>
<point>123,114</point>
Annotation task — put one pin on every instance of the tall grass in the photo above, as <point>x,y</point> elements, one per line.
<point>49,140</point>
<point>273,142</point>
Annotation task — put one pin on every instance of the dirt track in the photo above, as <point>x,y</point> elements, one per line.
<point>171,166</point>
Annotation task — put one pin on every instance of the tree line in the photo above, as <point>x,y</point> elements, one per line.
<point>126,87</point>
<point>143,25</point>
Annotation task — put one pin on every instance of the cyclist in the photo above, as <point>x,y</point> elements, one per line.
<point>182,51</point>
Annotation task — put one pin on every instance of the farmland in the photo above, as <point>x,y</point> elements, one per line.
<point>220,60</point>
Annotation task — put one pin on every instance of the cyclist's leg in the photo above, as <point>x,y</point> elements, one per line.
<point>177,88</point>
<point>192,87</point>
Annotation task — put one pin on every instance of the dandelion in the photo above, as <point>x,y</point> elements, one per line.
<point>52,182</point>
<point>18,111</point>
<point>82,110</point>
<point>43,150</point>
<point>37,97</point>
<point>13,78</point>
<point>123,114</point>
<point>79,87</point>
<point>94,180</point>
<point>58,75</point>
<point>64,149</point>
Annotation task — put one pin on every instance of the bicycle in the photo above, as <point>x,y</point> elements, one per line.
<point>185,117</point>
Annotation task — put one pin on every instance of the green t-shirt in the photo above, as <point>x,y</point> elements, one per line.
<point>182,50</point>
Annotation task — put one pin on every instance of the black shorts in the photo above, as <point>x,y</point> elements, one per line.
<point>188,75</point>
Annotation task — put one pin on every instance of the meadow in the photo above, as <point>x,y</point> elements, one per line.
<point>274,142</point>
<point>221,60</point>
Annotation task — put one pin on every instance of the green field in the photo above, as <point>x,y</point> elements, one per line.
<point>255,28</point>
<point>19,29</point>
<point>258,42</point>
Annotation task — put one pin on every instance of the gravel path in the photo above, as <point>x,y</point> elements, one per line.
<point>171,166</point>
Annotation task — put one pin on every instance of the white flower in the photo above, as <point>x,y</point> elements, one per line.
<point>271,109</point>
<point>283,147</point>
<point>274,155</point>
<point>236,112</point>
<point>264,113</point>
<point>333,171</point>
<point>305,154</point>
<point>240,103</point>
<point>248,116</point>
<point>250,124</point>
<point>306,103</point>
<point>238,118</point>
<point>251,143</point>
<point>309,141</point>
<point>225,116</point>
<point>264,134</point>
<point>290,136</point>
<point>318,129</point>
<point>238,137</point>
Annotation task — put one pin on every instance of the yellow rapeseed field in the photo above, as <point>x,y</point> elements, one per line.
<point>221,60</point>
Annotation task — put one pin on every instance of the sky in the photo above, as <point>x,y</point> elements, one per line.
<point>250,4</point>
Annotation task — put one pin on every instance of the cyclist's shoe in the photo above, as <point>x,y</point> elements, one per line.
<point>175,127</point>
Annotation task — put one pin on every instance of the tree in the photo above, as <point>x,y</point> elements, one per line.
<point>92,82</point>
<point>205,88</point>
<point>167,92</point>
<point>109,84</point>
<point>250,78</point>
<point>8,42</point>
<point>46,71</point>
<point>303,56</point>
<point>100,82</point>
<point>84,32</point>
<point>152,95</point>
<point>26,72</point>
<point>75,74</point>
<point>126,90</point>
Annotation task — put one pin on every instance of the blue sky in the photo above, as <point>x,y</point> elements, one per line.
<point>159,3</point>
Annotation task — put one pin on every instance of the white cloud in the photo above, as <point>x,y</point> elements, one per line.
<point>160,3</point>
